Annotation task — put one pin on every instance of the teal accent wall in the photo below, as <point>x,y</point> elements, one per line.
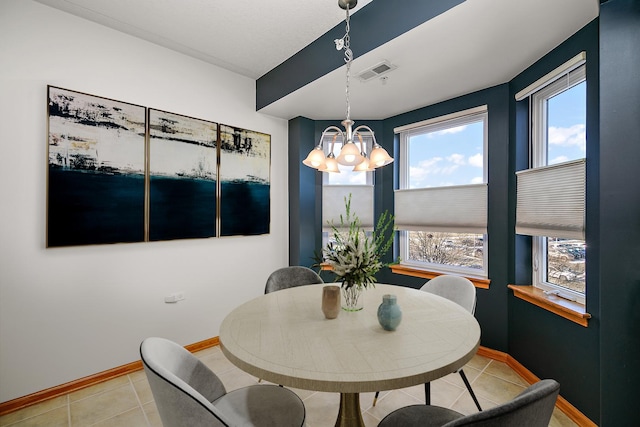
<point>549,345</point>
<point>598,367</point>
<point>305,195</point>
<point>618,247</point>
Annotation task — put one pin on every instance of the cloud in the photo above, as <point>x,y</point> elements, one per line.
<point>568,136</point>
<point>456,159</point>
<point>456,129</point>
<point>477,180</point>
<point>476,160</point>
<point>559,159</point>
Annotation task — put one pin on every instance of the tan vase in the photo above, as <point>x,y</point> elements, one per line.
<point>331,301</point>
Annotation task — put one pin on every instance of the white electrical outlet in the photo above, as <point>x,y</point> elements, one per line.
<point>173,298</point>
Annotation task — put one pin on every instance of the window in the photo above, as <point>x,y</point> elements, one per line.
<point>337,186</point>
<point>558,137</point>
<point>441,205</point>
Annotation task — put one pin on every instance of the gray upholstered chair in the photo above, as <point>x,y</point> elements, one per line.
<point>461,291</point>
<point>189,394</point>
<point>289,277</point>
<point>531,408</point>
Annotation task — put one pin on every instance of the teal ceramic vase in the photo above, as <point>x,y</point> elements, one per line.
<point>389,313</point>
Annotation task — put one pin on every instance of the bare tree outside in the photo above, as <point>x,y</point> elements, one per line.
<point>455,249</point>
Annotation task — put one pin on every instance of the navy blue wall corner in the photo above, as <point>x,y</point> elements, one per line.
<point>520,141</point>
<point>491,310</point>
<point>619,209</point>
<point>548,345</point>
<point>305,195</point>
<point>597,366</point>
<point>372,26</point>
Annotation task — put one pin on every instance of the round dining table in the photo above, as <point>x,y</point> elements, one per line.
<point>283,337</point>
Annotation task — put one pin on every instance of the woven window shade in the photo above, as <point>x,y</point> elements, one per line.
<point>333,204</point>
<point>551,200</point>
<point>456,209</point>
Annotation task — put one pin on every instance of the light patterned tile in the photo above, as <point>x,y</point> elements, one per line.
<point>207,352</point>
<point>559,419</point>
<point>502,370</point>
<point>58,417</point>
<point>392,401</point>
<point>416,391</point>
<point>456,379</point>
<point>322,409</point>
<point>99,388</point>
<point>138,375</point>
<point>218,363</point>
<point>33,410</point>
<point>235,378</point>
<point>466,406</point>
<point>370,420</point>
<point>366,400</point>
<point>381,395</point>
<point>302,394</point>
<point>478,362</point>
<point>102,406</point>
<point>152,414</point>
<point>143,391</point>
<point>444,393</point>
<point>132,418</point>
<point>117,402</point>
<point>495,389</point>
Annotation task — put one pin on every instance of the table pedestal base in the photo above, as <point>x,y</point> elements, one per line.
<point>350,414</point>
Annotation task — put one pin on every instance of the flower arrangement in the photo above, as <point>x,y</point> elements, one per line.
<point>354,256</point>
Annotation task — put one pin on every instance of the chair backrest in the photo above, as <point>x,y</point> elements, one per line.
<point>531,408</point>
<point>182,386</point>
<point>289,277</point>
<point>454,288</point>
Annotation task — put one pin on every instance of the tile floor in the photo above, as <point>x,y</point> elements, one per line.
<point>127,401</point>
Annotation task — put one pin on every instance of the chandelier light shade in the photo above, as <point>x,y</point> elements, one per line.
<point>353,152</point>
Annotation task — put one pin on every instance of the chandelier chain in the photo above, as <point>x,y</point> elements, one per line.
<point>348,57</point>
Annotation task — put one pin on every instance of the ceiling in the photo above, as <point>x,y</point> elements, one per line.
<point>477,44</point>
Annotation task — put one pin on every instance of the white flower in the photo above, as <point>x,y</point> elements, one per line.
<point>355,256</point>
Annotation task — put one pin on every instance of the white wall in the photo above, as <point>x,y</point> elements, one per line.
<point>66,313</point>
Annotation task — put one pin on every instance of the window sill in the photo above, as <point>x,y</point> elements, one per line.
<point>425,274</point>
<point>570,310</point>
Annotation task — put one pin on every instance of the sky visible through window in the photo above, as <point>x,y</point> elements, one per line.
<point>566,120</point>
<point>454,156</point>
<point>448,157</point>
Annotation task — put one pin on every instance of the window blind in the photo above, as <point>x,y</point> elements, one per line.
<point>456,209</point>
<point>333,204</point>
<point>447,120</point>
<point>552,76</point>
<point>551,200</point>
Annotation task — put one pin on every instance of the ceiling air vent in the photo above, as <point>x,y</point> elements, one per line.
<point>376,71</point>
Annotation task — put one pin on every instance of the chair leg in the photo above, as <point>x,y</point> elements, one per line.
<point>375,398</point>
<point>473,395</point>
<point>427,393</point>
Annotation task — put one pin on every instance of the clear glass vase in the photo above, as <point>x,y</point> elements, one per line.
<point>351,298</point>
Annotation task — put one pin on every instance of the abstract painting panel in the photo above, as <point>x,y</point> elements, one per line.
<point>182,200</point>
<point>245,158</point>
<point>96,166</point>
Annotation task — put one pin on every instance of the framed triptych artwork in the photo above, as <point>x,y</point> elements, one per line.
<point>244,177</point>
<point>121,173</point>
<point>96,173</point>
<point>182,176</point>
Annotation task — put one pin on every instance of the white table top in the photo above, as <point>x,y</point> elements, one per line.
<point>283,337</point>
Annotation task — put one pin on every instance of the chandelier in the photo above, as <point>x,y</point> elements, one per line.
<point>350,154</point>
